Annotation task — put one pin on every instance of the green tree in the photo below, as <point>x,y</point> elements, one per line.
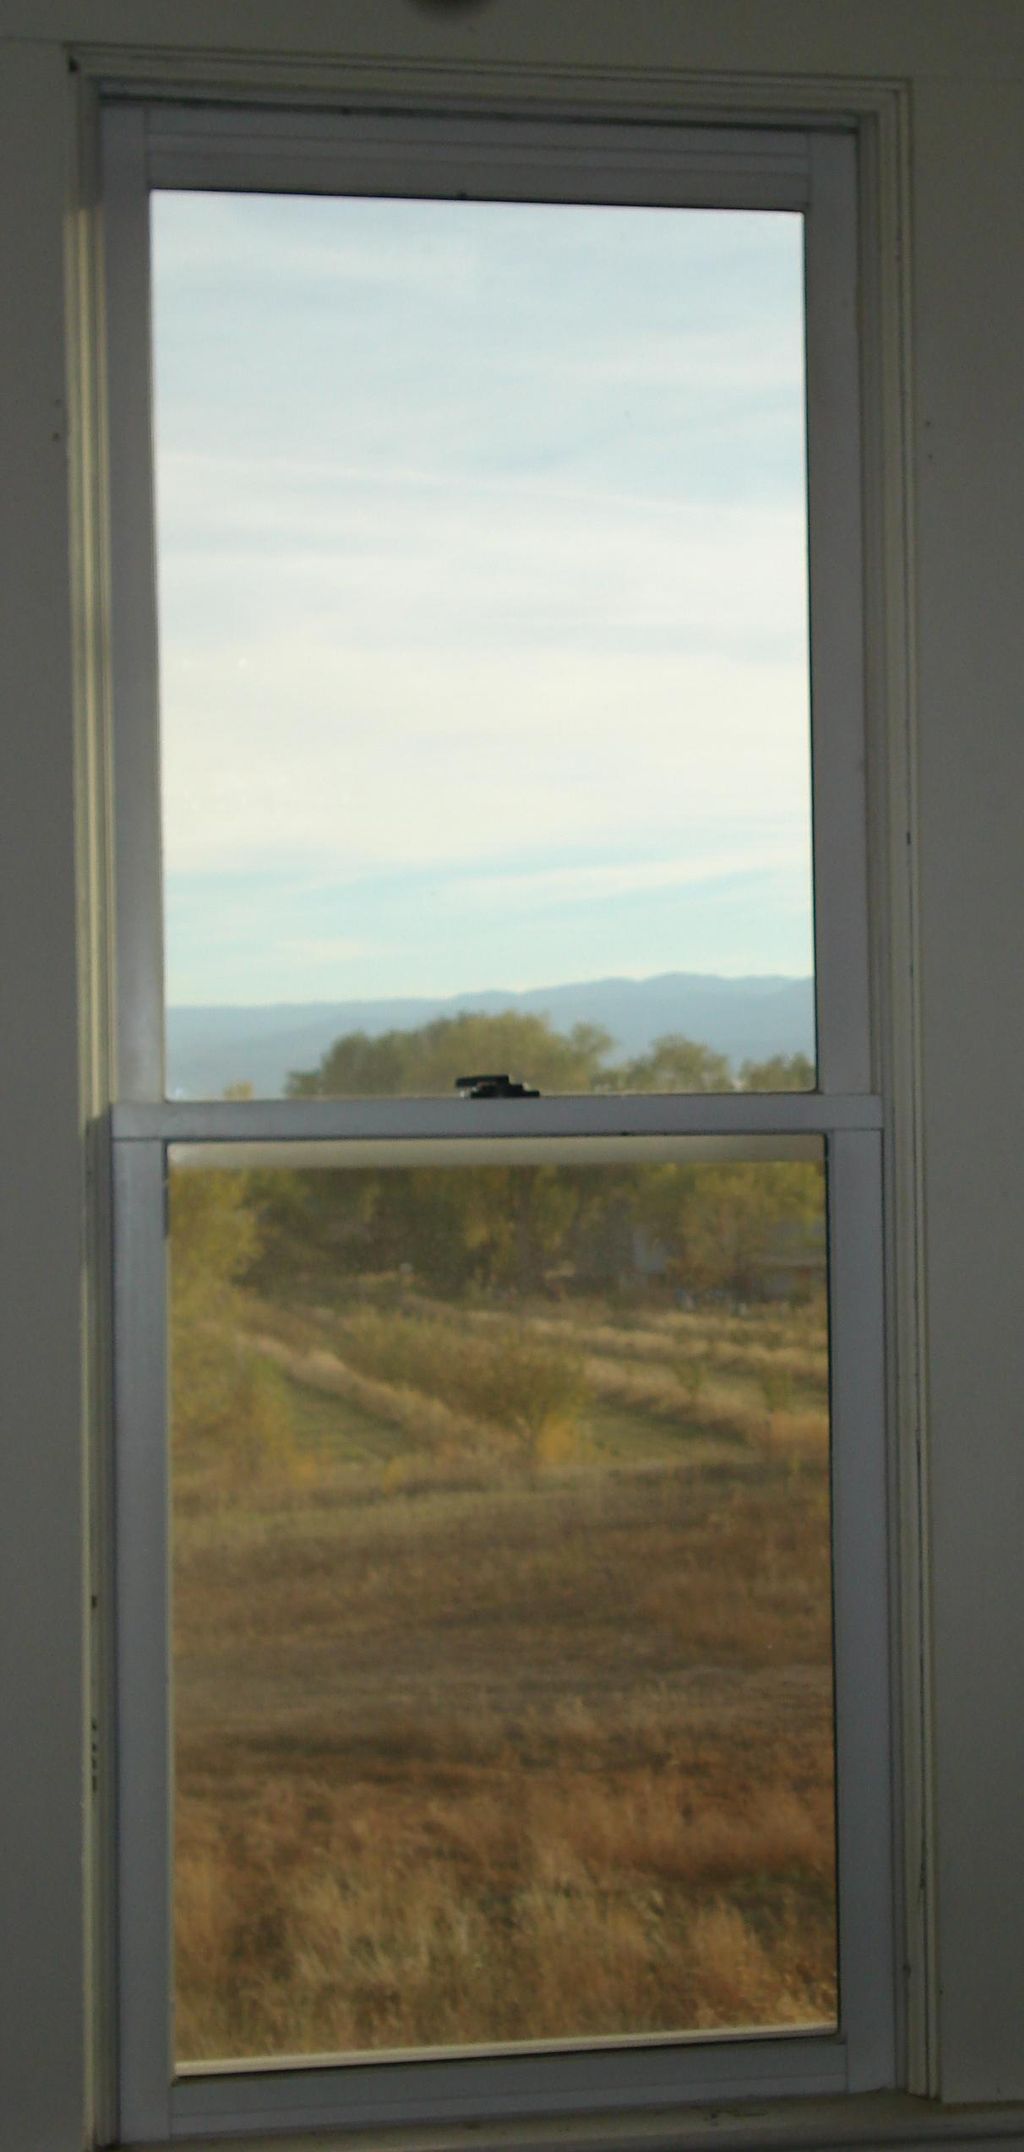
<point>781,1072</point>
<point>428,1061</point>
<point>675,1063</point>
<point>494,1226</point>
<point>511,1227</point>
<point>213,1240</point>
<point>723,1226</point>
<point>226,1406</point>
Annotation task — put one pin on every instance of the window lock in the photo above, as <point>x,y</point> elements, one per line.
<point>493,1087</point>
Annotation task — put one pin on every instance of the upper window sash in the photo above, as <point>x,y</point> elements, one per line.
<point>486,159</point>
<point>202,147</point>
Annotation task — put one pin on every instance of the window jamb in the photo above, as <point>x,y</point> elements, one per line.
<point>836,567</point>
<point>139,1034</point>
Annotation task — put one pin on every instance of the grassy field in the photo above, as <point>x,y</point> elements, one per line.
<point>503,1677</point>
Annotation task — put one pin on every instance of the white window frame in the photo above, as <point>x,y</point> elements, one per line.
<point>813,170</point>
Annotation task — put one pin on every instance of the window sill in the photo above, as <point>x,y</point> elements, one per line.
<point>877,2120</point>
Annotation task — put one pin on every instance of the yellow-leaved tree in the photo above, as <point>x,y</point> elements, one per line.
<point>230,1413</point>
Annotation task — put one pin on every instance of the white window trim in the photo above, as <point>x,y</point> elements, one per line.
<point>194,145</point>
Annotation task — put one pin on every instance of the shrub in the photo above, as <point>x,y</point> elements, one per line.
<point>691,1373</point>
<point>776,1387</point>
<point>530,1389</point>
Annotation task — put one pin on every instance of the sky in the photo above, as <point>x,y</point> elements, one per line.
<point>482,595</point>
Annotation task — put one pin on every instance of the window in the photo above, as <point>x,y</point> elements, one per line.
<point>502,1475</point>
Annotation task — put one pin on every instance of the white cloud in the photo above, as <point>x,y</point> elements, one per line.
<point>378,684</point>
<point>329,949</point>
<point>540,887</point>
<point>340,762</point>
<point>694,362</point>
<point>326,246</point>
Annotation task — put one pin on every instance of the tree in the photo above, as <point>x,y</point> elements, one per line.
<point>226,1406</point>
<point>675,1063</point>
<point>496,1226</point>
<point>781,1072</point>
<point>510,1227</point>
<point>721,1226</point>
<point>213,1239</point>
<point>428,1061</point>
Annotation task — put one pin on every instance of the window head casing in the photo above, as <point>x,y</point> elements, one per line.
<point>670,1132</point>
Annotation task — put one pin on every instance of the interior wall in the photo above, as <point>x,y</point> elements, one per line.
<point>962,65</point>
<point>969,475</point>
<point>42,1605</point>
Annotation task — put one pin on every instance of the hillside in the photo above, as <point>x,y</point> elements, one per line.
<point>748,1019</point>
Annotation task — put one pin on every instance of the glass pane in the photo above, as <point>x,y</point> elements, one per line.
<point>484,672</point>
<point>501,1606</point>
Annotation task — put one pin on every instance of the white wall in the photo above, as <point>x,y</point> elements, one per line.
<point>959,380</point>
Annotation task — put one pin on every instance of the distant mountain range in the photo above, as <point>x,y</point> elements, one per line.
<point>748,1019</point>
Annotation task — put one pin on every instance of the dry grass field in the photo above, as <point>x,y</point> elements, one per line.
<point>502,1675</point>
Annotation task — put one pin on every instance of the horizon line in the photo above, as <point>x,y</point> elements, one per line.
<point>514,993</point>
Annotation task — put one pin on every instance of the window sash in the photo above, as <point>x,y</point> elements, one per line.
<point>514,159</point>
<point>191,146</point>
<point>698,1113</point>
<point>562,2076</point>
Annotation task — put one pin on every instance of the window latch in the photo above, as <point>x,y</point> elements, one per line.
<point>492,1087</point>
